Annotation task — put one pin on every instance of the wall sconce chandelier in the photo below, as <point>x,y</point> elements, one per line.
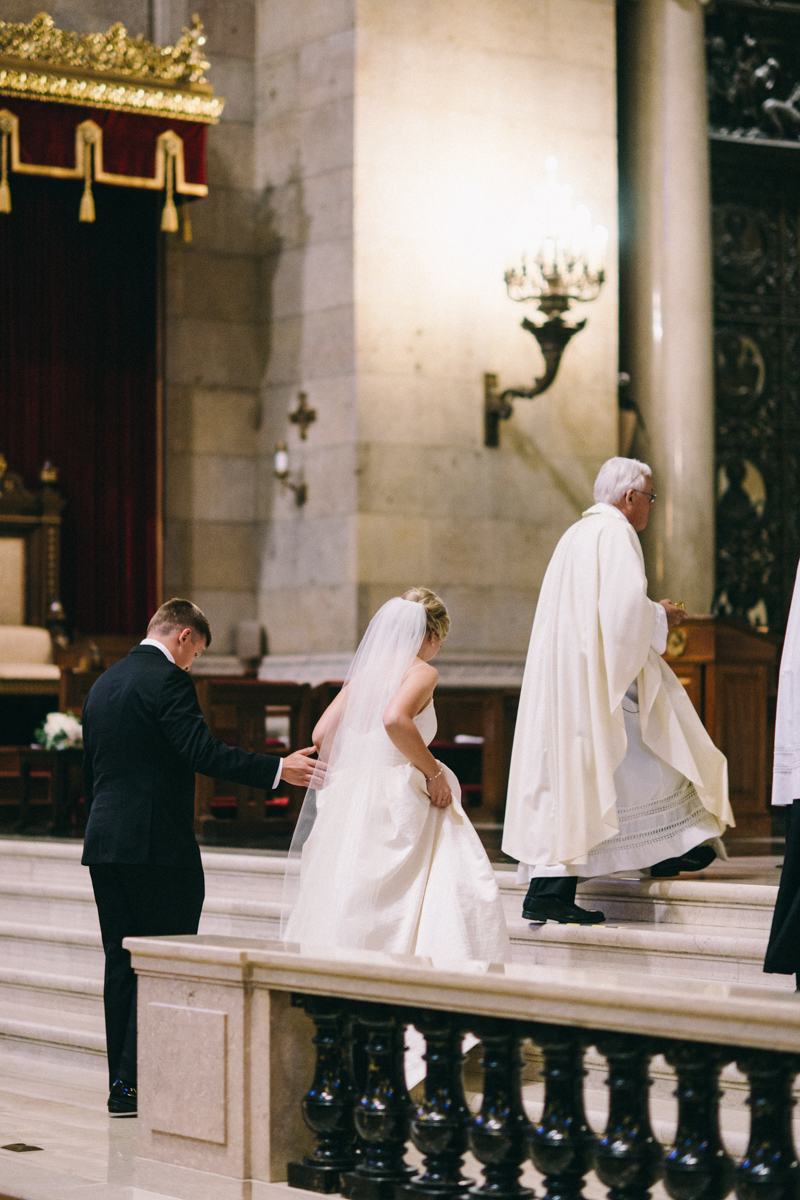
<point>281,471</point>
<point>563,264</point>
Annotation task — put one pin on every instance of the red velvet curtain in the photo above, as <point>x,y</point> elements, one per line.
<point>78,384</point>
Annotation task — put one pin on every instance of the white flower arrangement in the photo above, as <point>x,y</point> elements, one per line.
<point>60,731</point>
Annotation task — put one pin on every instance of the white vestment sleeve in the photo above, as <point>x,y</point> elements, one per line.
<point>659,638</point>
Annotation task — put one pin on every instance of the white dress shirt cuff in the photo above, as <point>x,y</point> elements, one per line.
<point>280,768</point>
<point>659,638</point>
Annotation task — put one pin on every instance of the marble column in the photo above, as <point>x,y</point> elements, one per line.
<point>668,309</point>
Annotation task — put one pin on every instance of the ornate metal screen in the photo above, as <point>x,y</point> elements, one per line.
<point>754,73</point>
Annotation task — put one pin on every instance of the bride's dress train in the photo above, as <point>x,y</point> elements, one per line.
<point>384,869</point>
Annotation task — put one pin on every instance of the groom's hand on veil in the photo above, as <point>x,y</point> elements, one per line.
<point>299,767</point>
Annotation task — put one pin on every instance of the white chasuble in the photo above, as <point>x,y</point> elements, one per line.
<point>786,769</point>
<point>590,645</point>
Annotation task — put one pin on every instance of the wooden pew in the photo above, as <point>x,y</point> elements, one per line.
<point>238,711</point>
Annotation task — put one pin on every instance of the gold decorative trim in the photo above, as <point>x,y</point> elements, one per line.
<point>88,142</point>
<point>677,641</point>
<point>120,98</point>
<point>108,70</point>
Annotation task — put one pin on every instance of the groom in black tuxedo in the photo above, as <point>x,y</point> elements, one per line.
<point>144,738</point>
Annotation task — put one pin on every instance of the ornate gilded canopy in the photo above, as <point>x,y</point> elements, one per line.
<point>108,70</point>
<point>117,110</point>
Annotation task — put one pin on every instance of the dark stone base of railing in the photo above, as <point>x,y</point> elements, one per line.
<point>414,1191</point>
<point>327,1180</point>
<point>362,1187</point>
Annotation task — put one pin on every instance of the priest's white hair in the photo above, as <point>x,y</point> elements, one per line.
<point>617,476</point>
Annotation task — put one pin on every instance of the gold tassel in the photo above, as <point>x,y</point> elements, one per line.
<point>187,224</point>
<point>86,212</point>
<point>5,190</point>
<point>169,217</point>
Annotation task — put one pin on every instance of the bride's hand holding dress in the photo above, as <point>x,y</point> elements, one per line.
<point>413,697</point>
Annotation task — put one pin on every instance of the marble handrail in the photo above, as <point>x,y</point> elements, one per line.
<point>248,1047</point>
<point>625,1002</point>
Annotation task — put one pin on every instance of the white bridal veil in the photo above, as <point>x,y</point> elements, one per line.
<point>354,752</point>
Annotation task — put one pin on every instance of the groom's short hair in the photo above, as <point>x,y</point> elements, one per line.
<point>180,614</point>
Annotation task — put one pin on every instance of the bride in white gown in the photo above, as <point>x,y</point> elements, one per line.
<point>388,858</point>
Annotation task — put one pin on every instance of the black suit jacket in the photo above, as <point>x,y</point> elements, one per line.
<point>144,737</point>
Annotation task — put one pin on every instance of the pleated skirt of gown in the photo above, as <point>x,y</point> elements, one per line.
<point>383,869</point>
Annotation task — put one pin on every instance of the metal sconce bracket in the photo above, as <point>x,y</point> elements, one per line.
<point>553,338</point>
<point>300,489</point>
<point>281,472</point>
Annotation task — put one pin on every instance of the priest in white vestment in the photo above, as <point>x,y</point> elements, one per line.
<point>611,769</point>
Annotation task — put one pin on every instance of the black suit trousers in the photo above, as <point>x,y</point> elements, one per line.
<point>783,951</point>
<point>137,900</point>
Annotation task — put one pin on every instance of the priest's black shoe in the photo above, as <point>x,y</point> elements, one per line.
<point>695,859</point>
<point>550,908</point>
<point>122,1099</point>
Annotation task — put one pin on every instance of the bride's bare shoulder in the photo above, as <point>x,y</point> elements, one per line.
<point>423,672</point>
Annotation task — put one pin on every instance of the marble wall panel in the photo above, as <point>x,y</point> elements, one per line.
<point>284,26</point>
<point>212,286</point>
<point>224,608</point>
<point>222,555</point>
<point>203,351</point>
<point>224,422</point>
<point>223,487</point>
<point>323,556</point>
<point>319,619</point>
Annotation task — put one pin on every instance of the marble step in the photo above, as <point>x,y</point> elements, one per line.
<point>51,949</point>
<point>704,952</point>
<point>682,901</point>
<point>66,993</point>
<point>31,1036</point>
<point>37,859</point>
<point>65,905</point>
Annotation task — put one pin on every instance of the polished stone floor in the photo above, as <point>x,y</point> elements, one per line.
<point>85,1155</point>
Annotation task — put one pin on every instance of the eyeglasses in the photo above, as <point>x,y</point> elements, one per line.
<point>650,495</point>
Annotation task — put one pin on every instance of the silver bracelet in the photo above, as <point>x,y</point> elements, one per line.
<point>436,776</point>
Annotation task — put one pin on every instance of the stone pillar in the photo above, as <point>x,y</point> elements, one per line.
<point>669,299</point>
<point>394,146</point>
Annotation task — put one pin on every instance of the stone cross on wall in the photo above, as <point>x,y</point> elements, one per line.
<point>303,415</point>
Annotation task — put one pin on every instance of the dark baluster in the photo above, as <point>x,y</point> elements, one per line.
<point>562,1143</point>
<point>697,1167</point>
<point>382,1111</point>
<point>627,1157</point>
<point>769,1170</point>
<point>498,1133</point>
<point>328,1106</point>
<point>439,1123</point>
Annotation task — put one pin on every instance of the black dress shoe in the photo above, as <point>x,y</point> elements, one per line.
<point>122,1099</point>
<point>550,908</point>
<point>695,859</point>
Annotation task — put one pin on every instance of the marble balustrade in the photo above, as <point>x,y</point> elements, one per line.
<point>261,1062</point>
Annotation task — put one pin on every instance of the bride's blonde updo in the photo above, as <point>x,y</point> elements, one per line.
<point>437,620</point>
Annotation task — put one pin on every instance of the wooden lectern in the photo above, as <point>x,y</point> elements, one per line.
<point>729,672</point>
